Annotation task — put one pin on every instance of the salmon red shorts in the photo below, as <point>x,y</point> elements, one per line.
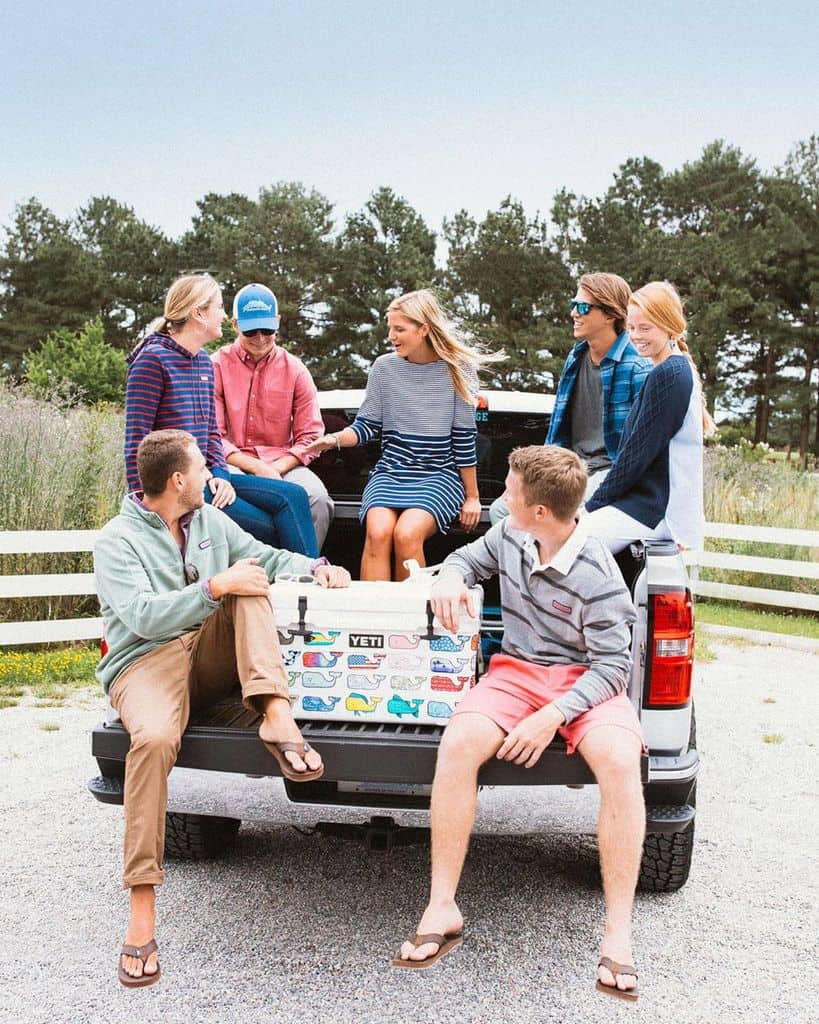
<point>513,689</point>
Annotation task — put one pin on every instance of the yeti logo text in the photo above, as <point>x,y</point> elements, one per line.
<point>255,305</point>
<point>366,640</point>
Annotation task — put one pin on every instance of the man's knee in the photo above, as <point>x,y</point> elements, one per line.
<point>613,754</point>
<point>161,740</point>
<point>467,742</point>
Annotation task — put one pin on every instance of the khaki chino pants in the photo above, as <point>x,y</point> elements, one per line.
<point>155,695</point>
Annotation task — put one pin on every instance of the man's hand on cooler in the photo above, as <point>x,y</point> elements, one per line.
<point>448,593</point>
<point>332,576</point>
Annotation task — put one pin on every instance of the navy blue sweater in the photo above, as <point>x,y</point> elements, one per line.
<point>638,482</point>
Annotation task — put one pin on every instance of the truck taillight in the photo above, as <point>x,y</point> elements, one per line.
<point>672,657</point>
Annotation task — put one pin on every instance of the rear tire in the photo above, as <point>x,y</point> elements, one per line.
<point>667,856</point>
<point>666,861</point>
<point>197,836</point>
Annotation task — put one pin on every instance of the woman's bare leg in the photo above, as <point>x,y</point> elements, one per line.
<point>376,559</point>
<point>414,526</point>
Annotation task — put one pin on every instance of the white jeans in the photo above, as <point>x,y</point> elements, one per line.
<point>617,530</point>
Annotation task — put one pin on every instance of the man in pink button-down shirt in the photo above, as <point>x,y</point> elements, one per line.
<point>267,405</point>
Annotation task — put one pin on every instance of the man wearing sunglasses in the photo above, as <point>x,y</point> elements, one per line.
<point>600,379</point>
<point>267,405</point>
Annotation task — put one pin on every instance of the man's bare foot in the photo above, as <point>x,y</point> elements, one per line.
<point>617,946</point>
<point>279,726</point>
<point>141,929</point>
<point>438,919</point>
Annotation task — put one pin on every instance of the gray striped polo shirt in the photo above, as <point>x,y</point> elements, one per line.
<point>574,611</point>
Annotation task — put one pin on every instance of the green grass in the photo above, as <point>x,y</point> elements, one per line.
<point>717,613</point>
<point>49,676</point>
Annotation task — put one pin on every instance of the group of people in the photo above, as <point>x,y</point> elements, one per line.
<point>253,409</point>
<point>221,499</point>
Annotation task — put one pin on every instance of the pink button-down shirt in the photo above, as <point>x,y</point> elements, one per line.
<point>266,409</point>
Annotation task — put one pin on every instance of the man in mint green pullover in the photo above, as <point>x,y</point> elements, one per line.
<point>184,598</point>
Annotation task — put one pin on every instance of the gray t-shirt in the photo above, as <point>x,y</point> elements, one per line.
<point>587,416</point>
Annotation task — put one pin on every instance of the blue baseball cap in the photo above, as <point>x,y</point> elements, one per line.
<point>255,306</point>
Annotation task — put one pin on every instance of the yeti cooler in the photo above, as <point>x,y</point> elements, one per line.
<point>373,651</point>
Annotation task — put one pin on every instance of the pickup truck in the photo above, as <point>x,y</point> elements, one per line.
<point>222,771</point>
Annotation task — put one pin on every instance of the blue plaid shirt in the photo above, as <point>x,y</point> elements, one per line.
<point>622,372</point>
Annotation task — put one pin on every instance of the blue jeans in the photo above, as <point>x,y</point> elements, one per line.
<point>273,511</point>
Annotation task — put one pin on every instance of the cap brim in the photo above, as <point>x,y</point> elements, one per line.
<point>254,323</point>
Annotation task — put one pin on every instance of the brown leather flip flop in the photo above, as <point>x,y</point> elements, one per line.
<point>141,953</point>
<point>446,943</point>
<point>278,750</point>
<point>629,994</point>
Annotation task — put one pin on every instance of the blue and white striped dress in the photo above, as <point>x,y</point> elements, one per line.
<point>427,433</point>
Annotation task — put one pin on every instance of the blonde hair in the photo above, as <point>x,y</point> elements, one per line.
<point>463,361</point>
<point>661,303</point>
<point>611,292</point>
<point>551,476</point>
<point>187,293</point>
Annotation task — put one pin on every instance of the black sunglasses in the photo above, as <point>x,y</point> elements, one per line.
<point>266,331</point>
<point>583,307</point>
<point>191,573</point>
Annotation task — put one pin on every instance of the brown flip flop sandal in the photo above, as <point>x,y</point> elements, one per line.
<point>278,750</point>
<point>141,953</point>
<point>446,943</point>
<point>629,994</point>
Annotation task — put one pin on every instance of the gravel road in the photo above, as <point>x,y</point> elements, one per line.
<point>295,926</point>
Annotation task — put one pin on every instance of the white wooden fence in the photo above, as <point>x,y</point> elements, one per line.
<point>14,542</point>
<point>70,541</point>
<point>697,560</point>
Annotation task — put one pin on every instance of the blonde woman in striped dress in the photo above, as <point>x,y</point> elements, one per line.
<point>420,402</point>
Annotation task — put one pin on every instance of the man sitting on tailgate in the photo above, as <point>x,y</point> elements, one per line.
<point>563,668</point>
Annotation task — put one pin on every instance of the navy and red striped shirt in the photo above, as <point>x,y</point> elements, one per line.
<point>170,388</point>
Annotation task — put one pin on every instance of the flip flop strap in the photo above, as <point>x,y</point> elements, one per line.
<point>140,952</point>
<point>615,968</point>
<point>297,748</point>
<point>422,940</point>
<point>440,940</point>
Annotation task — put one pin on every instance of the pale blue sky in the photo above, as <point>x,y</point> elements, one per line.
<point>452,104</point>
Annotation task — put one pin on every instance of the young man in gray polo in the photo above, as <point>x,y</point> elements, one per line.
<point>600,379</point>
<point>563,667</point>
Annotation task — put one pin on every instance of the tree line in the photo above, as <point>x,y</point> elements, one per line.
<point>741,244</point>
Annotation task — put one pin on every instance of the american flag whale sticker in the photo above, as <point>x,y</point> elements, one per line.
<point>370,661</point>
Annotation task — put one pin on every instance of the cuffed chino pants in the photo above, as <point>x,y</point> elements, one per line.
<point>154,697</point>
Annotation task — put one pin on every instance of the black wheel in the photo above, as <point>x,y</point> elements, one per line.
<point>666,860</point>
<point>197,836</point>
